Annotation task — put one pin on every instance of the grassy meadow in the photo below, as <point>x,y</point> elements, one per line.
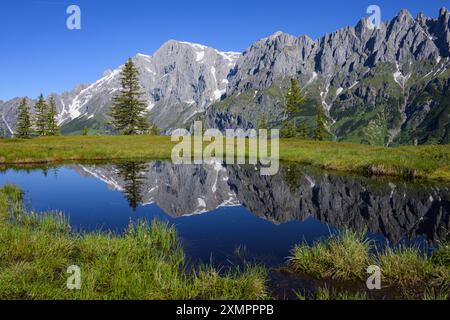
<point>147,262</point>
<point>431,161</point>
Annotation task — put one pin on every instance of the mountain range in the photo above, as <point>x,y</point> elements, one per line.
<point>384,86</point>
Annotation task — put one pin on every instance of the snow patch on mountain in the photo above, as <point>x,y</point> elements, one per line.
<point>200,56</point>
<point>399,78</point>
<point>312,79</point>
<point>102,177</point>
<point>7,124</point>
<point>73,110</point>
<point>217,94</point>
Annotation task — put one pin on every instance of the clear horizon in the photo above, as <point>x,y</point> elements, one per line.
<point>40,55</point>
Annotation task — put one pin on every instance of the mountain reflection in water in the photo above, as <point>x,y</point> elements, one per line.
<point>390,207</point>
<point>217,207</point>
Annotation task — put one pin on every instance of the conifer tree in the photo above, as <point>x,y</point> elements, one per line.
<point>263,122</point>
<point>320,132</point>
<point>288,129</point>
<point>294,99</point>
<point>41,116</point>
<point>133,174</point>
<point>303,131</point>
<point>52,128</point>
<point>154,130</point>
<point>23,127</point>
<point>129,110</point>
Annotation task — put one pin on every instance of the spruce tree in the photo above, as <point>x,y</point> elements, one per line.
<point>52,128</point>
<point>320,132</point>
<point>294,99</point>
<point>129,110</point>
<point>303,131</point>
<point>41,116</point>
<point>154,130</point>
<point>288,129</point>
<point>133,174</point>
<point>23,127</point>
<point>263,122</point>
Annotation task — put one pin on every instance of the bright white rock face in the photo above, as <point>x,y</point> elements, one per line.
<point>179,80</point>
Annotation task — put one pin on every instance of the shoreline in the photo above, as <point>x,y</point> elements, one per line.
<point>429,162</point>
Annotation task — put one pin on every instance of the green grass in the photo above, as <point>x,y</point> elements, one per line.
<point>66,148</point>
<point>345,257</point>
<point>342,257</point>
<point>326,294</point>
<point>409,268</point>
<point>147,262</point>
<point>430,161</point>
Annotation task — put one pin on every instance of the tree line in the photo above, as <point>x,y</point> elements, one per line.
<point>295,100</point>
<point>290,127</point>
<point>128,113</point>
<point>43,123</point>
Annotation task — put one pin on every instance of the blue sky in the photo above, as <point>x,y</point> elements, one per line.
<point>39,54</point>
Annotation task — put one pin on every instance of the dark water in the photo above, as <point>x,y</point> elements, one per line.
<point>217,209</point>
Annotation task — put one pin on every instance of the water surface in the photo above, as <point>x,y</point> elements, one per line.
<point>228,213</point>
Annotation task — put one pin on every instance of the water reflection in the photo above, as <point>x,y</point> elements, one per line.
<point>133,174</point>
<point>390,207</point>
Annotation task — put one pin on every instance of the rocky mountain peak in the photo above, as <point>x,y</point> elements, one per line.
<point>404,16</point>
<point>444,14</point>
<point>421,19</point>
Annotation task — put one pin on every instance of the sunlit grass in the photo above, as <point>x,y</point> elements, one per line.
<point>347,256</point>
<point>409,268</point>
<point>147,262</point>
<point>431,161</point>
<point>342,257</point>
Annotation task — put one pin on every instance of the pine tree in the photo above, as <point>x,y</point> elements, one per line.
<point>288,129</point>
<point>129,110</point>
<point>133,174</point>
<point>41,116</point>
<point>154,130</point>
<point>263,122</point>
<point>320,132</point>
<point>303,131</point>
<point>23,126</point>
<point>52,128</point>
<point>294,99</point>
